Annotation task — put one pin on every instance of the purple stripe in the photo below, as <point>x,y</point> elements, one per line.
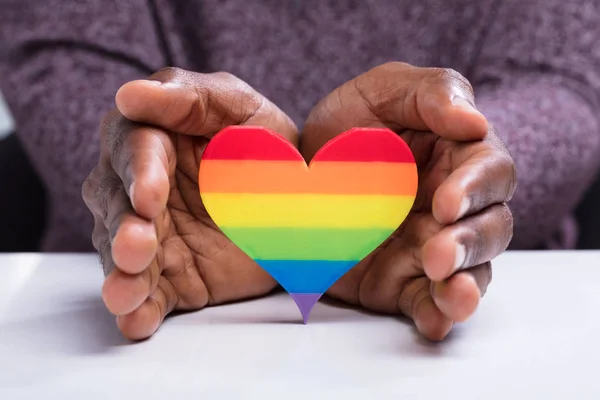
<point>305,303</point>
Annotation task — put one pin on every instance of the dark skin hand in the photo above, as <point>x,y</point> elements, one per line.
<point>161,251</point>
<point>159,248</point>
<point>435,268</point>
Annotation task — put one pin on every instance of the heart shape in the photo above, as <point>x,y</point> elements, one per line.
<point>307,225</point>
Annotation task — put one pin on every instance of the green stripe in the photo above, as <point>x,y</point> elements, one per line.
<point>307,243</point>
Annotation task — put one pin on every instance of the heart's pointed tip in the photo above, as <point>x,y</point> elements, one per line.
<point>306,303</point>
<point>306,314</point>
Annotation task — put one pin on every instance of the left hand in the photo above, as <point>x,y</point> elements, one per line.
<point>435,268</point>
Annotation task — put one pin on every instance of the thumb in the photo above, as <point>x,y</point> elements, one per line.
<point>200,104</point>
<point>399,97</point>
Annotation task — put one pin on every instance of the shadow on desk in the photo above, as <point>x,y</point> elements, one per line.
<point>46,312</point>
<point>87,329</point>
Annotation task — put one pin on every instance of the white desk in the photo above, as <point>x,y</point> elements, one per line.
<point>535,336</point>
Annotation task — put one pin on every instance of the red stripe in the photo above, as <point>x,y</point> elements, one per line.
<point>366,145</point>
<point>250,143</point>
<point>355,145</point>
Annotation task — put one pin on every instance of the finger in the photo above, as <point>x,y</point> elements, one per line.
<point>487,176</point>
<point>101,242</point>
<point>444,103</point>
<point>98,187</point>
<point>99,233</point>
<point>121,237</point>
<point>145,320</point>
<point>123,293</point>
<point>90,189</point>
<point>400,97</point>
<point>143,158</point>
<point>396,264</point>
<point>95,190</point>
<point>416,302</point>
<point>200,104</point>
<point>467,243</point>
<point>104,251</point>
<point>133,239</point>
<point>459,296</point>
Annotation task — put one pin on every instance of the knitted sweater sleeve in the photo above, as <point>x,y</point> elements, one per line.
<point>61,63</point>
<point>537,79</point>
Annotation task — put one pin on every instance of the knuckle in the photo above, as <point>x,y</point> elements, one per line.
<point>474,237</point>
<point>512,185</point>
<point>114,127</point>
<point>227,83</point>
<point>506,212</point>
<point>384,78</point>
<point>451,77</point>
<point>445,74</point>
<point>379,89</point>
<point>234,100</point>
<point>393,66</point>
<point>507,169</point>
<point>104,247</point>
<point>107,121</point>
<point>505,165</point>
<point>169,73</point>
<point>504,162</point>
<point>487,273</point>
<point>509,222</point>
<point>99,234</point>
<point>112,121</point>
<point>236,86</point>
<point>104,191</point>
<point>238,100</point>
<point>89,188</point>
<point>246,101</point>
<point>225,76</point>
<point>87,192</point>
<point>169,70</point>
<point>105,253</point>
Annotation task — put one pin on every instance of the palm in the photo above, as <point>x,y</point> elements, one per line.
<point>201,263</point>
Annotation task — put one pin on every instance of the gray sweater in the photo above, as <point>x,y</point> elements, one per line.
<point>535,65</point>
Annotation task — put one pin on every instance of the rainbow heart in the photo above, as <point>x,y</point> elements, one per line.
<point>307,225</point>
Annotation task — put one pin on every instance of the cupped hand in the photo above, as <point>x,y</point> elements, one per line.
<point>437,265</point>
<point>159,248</point>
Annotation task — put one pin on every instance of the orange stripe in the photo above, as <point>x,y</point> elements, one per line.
<point>246,176</point>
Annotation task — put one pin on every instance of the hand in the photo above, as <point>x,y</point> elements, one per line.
<point>436,266</point>
<point>159,248</point>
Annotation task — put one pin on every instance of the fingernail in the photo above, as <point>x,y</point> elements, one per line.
<point>465,104</point>
<point>131,191</point>
<point>171,85</point>
<point>465,204</point>
<point>462,102</point>
<point>155,83</point>
<point>460,256</point>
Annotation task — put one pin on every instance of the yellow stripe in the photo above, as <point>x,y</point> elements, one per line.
<point>305,210</point>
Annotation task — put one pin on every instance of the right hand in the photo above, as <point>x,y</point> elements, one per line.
<point>437,265</point>
<point>159,248</point>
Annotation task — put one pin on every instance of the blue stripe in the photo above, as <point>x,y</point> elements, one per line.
<point>310,276</point>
